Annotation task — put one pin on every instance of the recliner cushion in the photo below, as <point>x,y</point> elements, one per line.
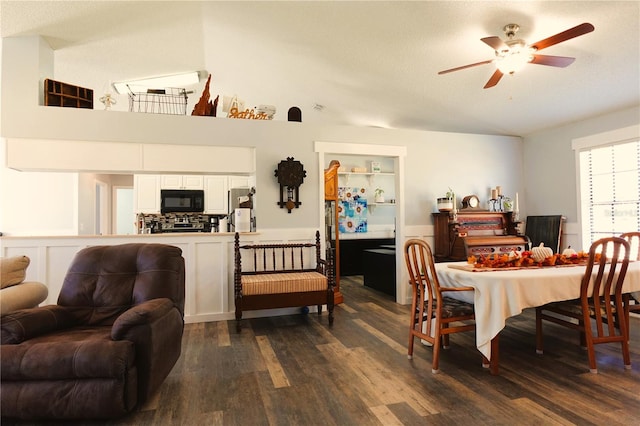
<point>78,353</point>
<point>111,279</point>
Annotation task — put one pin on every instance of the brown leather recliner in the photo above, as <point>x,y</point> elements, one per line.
<point>107,345</point>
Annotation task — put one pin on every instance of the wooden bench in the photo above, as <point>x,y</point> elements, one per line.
<point>277,276</point>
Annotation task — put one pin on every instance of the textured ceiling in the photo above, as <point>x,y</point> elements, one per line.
<point>365,63</point>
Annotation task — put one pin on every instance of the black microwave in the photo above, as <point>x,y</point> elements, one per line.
<point>181,201</point>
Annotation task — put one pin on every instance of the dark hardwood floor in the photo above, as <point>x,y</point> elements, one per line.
<point>296,370</point>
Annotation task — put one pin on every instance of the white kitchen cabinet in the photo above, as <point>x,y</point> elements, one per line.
<point>238,181</point>
<point>182,182</point>
<point>215,194</point>
<point>146,190</point>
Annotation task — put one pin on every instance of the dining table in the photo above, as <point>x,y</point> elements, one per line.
<point>503,293</point>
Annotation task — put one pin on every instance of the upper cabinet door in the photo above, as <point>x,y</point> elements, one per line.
<point>238,181</point>
<point>193,182</point>
<point>182,182</point>
<point>215,195</point>
<point>147,193</point>
<point>171,182</point>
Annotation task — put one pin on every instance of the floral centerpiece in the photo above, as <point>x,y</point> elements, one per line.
<point>527,259</point>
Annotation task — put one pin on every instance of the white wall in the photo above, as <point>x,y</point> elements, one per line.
<point>468,163</point>
<point>550,168</point>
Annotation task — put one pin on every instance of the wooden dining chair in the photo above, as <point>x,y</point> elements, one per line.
<point>433,314</point>
<point>633,238</point>
<point>601,300</point>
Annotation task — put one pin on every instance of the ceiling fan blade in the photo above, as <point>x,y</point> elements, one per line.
<point>554,61</point>
<point>466,66</point>
<point>563,36</point>
<point>495,78</point>
<point>496,43</point>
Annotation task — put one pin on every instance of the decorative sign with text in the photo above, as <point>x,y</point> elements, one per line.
<point>248,114</point>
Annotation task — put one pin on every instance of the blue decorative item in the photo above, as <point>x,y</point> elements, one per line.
<point>352,210</point>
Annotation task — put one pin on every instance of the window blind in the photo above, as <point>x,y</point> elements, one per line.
<point>610,190</point>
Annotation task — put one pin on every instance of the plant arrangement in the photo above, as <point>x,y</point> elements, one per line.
<point>507,203</point>
<point>445,203</point>
<point>450,194</point>
<point>377,194</point>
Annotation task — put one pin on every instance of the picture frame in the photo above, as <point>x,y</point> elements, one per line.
<point>375,167</point>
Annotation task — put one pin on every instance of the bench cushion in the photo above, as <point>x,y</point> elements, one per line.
<point>277,283</point>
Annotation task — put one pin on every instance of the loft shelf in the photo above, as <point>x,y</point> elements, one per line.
<point>57,93</point>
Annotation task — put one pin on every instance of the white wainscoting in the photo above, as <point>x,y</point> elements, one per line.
<point>208,265</point>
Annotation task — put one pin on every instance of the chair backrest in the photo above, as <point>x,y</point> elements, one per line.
<point>633,238</point>
<point>104,281</point>
<point>422,270</point>
<point>605,276</point>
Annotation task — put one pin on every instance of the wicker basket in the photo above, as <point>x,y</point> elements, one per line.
<point>159,101</point>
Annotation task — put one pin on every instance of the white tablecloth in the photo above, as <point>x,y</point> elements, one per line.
<point>499,295</point>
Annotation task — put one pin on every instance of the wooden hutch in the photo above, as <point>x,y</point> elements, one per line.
<point>475,232</point>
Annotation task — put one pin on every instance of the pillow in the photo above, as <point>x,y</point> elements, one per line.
<point>13,270</point>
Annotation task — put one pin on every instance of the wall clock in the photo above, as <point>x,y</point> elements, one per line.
<point>290,174</point>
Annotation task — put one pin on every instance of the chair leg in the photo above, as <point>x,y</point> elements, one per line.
<point>411,338</point>
<point>437,338</point>
<point>625,311</point>
<point>410,349</point>
<point>626,356</point>
<point>445,338</point>
<point>539,339</point>
<point>436,350</point>
<point>592,358</point>
<point>623,324</point>
<point>591,352</point>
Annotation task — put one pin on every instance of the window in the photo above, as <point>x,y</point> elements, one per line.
<point>609,189</point>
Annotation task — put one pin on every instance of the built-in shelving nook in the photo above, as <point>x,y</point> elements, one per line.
<point>365,168</point>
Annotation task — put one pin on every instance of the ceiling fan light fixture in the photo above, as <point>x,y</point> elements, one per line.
<point>514,60</point>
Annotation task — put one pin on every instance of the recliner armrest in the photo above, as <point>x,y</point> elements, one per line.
<point>25,324</point>
<point>142,314</point>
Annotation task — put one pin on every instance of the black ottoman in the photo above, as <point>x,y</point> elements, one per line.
<point>380,270</point>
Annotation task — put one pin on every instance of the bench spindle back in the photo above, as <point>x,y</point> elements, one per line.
<point>266,257</point>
